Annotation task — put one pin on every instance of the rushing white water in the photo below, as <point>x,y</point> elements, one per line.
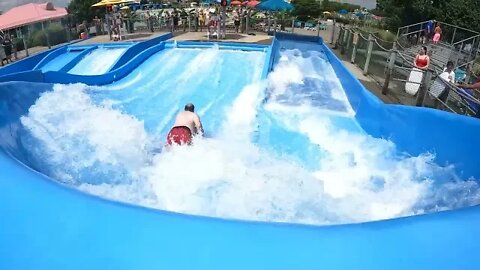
<point>99,61</point>
<point>355,178</point>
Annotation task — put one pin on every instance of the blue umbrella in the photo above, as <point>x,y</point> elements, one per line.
<point>343,11</point>
<point>274,5</point>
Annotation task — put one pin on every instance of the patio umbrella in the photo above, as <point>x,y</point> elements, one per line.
<point>274,5</point>
<point>343,11</point>
<point>235,3</point>
<point>111,2</point>
<point>252,4</point>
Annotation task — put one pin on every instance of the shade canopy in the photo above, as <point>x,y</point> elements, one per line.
<point>111,2</point>
<point>252,3</point>
<point>274,5</point>
<point>30,14</point>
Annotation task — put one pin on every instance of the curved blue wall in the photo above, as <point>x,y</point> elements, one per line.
<point>46,225</point>
<point>452,138</point>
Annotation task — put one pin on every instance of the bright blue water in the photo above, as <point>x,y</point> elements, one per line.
<point>60,61</point>
<point>285,149</point>
<point>98,61</point>
<point>160,87</point>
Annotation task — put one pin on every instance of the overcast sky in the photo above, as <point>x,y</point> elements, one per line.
<point>370,4</point>
<point>8,4</point>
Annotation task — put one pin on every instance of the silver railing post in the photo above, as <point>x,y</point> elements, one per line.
<point>454,33</point>
<point>354,52</point>
<point>369,54</point>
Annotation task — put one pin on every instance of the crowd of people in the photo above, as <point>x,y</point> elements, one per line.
<point>197,19</point>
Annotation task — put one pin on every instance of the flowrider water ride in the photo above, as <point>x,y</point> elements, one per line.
<point>301,167</point>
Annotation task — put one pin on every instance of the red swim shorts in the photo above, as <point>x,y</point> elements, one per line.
<point>179,135</point>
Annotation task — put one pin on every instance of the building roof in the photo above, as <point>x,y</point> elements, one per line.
<point>29,14</point>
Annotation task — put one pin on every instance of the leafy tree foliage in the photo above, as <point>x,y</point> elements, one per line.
<point>336,6</point>
<point>308,9</point>
<point>464,13</point>
<point>82,10</point>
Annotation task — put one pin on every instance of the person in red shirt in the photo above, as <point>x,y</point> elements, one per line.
<point>422,60</point>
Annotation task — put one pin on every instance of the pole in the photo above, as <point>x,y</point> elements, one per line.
<point>268,22</point>
<point>423,91</point>
<point>109,24</point>
<point>46,35</point>
<point>337,41</point>
<point>471,49</point>
<point>293,25</point>
<point>346,33</point>
<point>247,21</point>
<point>391,66</point>
<point>457,53</point>
<point>224,23</point>
<point>419,33</point>
<point>274,24</point>
<point>354,52</point>
<point>333,32</point>
<point>318,27</point>
<point>349,39</point>
<point>219,27</point>
<point>369,54</point>
<point>454,33</point>
<point>25,45</point>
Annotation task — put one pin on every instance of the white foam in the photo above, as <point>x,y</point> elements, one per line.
<point>77,135</point>
<point>99,61</point>
<point>358,178</point>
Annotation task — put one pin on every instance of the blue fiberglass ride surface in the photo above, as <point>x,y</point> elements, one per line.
<point>60,61</point>
<point>95,61</point>
<point>46,225</point>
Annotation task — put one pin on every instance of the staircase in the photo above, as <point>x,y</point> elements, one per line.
<point>459,45</point>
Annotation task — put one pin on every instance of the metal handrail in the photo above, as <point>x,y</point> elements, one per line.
<point>457,91</point>
<point>413,24</point>
<point>443,23</point>
<point>463,40</point>
<point>381,47</point>
<point>459,27</point>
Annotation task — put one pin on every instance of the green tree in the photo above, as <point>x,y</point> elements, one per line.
<point>306,9</point>
<point>336,6</point>
<point>82,10</point>
<point>463,13</point>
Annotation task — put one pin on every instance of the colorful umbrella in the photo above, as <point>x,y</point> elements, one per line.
<point>111,2</point>
<point>274,5</point>
<point>235,3</point>
<point>252,3</point>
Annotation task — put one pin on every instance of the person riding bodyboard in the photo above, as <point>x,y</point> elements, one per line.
<point>187,124</point>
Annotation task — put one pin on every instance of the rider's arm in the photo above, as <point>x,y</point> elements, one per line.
<point>470,86</point>
<point>198,124</point>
